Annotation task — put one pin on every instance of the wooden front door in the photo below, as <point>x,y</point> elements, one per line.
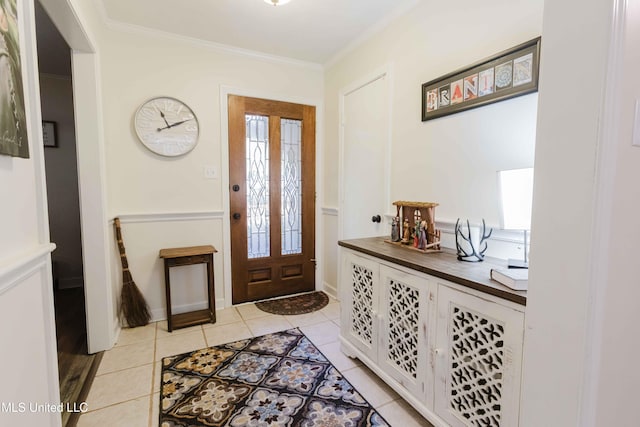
<point>272,198</point>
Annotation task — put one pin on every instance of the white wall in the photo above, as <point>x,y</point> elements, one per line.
<point>572,224</point>
<point>142,186</point>
<point>26,298</point>
<point>616,381</point>
<point>451,160</point>
<point>56,94</point>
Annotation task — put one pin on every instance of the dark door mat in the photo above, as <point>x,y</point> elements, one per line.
<point>299,304</point>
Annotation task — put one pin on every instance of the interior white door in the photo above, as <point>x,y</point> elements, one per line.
<point>365,171</point>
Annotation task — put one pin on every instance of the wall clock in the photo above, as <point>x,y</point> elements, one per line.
<point>167,126</point>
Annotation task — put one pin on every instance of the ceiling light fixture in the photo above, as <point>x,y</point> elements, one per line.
<point>277,2</point>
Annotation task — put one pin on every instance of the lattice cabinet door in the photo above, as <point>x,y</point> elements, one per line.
<point>406,329</point>
<point>478,360</point>
<point>360,287</point>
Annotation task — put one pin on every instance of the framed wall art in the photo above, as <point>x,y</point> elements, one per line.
<point>13,121</point>
<point>505,75</point>
<point>49,134</point>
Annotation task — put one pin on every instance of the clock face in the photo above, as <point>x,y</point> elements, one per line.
<point>167,126</point>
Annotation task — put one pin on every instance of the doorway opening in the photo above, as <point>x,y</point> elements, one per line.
<point>76,367</point>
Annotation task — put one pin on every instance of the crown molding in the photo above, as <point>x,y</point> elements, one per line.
<point>206,44</point>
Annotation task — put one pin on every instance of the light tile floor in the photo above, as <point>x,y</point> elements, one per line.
<point>125,392</point>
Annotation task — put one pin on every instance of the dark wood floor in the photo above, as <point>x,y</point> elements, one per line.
<point>76,367</point>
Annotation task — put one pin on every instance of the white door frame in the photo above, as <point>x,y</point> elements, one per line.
<point>384,72</point>
<point>100,301</point>
<point>225,91</point>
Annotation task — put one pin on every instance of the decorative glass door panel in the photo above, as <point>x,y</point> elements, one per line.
<point>291,143</point>
<point>271,198</point>
<point>257,186</point>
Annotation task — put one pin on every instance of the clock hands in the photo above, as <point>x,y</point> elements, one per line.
<point>180,122</point>
<point>163,118</point>
<point>168,126</point>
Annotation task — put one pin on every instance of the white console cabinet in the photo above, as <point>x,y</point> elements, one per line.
<point>453,352</point>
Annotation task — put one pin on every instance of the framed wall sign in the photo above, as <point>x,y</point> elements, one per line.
<point>505,75</point>
<point>49,134</point>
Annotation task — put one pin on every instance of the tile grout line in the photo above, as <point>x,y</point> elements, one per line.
<point>124,369</point>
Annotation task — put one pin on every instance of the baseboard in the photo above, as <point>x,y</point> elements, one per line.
<point>330,290</point>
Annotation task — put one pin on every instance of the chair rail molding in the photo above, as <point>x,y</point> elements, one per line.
<point>15,271</point>
<point>132,218</point>
<point>330,211</point>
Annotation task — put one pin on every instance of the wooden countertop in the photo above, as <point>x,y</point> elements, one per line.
<point>445,265</point>
<point>187,251</point>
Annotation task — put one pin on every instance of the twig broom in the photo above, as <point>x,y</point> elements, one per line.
<point>133,307</point>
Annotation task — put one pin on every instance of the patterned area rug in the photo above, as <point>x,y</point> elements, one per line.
<point>299,304</point>
<point>278,379</point>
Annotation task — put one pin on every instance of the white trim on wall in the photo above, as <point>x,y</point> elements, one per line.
<point>136,218</point>
<point>26,18</point>
<point>330,211</point>
<point>603,201</point>
<point>102,316</point>
<point>16,271</point>
<point>102,313</point>
<point>331,290</point>
<point>225,91</point>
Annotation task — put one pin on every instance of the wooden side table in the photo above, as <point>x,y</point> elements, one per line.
<point>175,257</point>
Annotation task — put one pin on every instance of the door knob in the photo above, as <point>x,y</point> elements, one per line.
<point>236,215</point>
<point>235,187</point>
<point>376,218</point>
